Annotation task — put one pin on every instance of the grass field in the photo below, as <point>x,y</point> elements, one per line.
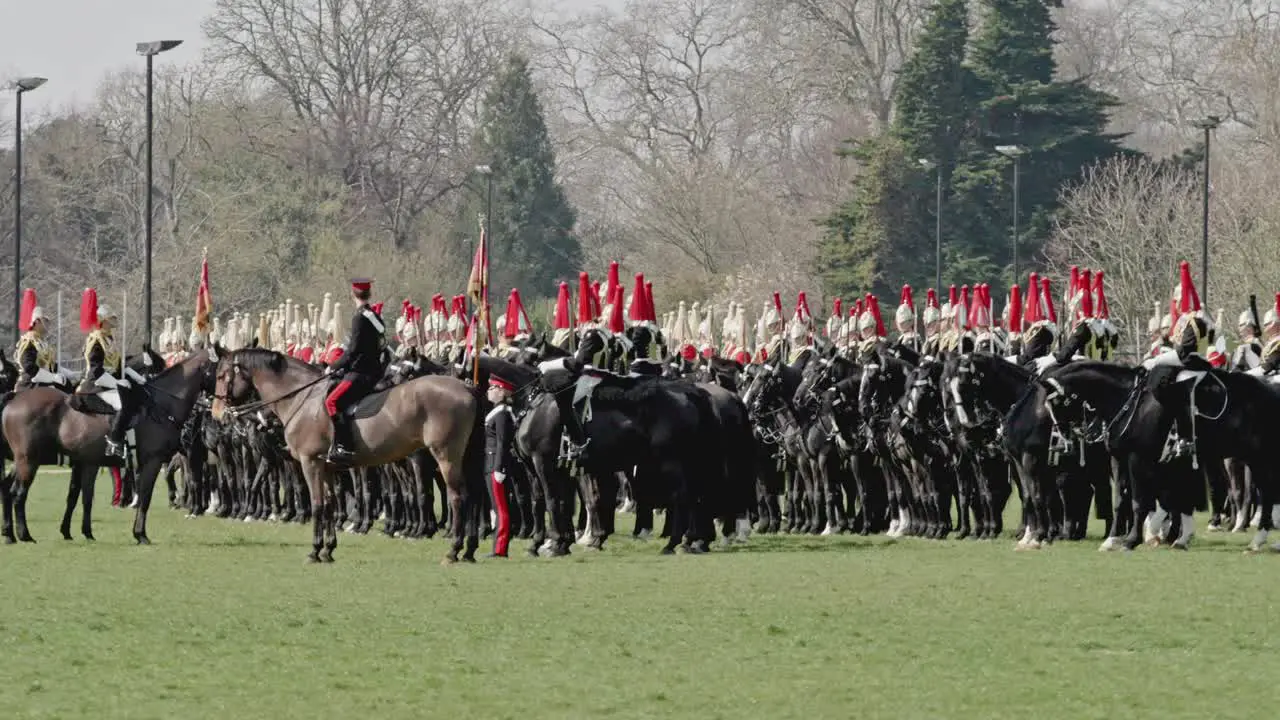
<point>223,620</point>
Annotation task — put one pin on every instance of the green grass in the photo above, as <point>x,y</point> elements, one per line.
<point>224,620</point>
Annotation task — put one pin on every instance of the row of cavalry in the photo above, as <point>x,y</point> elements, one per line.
<point>887,441</point>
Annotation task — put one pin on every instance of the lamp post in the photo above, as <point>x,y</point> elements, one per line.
<point>149,50</point>
<point>23,85</point>
<point>1207,125</point>
<point>937,221</point>
<point>1014,152</point>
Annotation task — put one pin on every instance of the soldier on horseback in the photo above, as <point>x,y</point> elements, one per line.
<point>932,318</point>
<point>104,368</point>
<point>1041,322</point>
<point>33,354</point>
<point>1248,354</point>
<point>357,370</point>
<point>904,320</point>
<point>1269,360</point>
<point>1193,330</point>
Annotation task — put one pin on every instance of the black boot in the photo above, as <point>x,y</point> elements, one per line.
<point>340,452</point>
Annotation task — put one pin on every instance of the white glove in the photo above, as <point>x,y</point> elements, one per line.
<point>499,476</point>
<point>1044,363</point>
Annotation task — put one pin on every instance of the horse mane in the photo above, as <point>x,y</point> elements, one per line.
<point>262,359</point>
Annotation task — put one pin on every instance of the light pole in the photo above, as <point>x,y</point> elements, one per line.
<point>937,221</point>
<point>1014,152</point>
<point>23,85</point>
<point>149,50</point>
<point>1207,125</point>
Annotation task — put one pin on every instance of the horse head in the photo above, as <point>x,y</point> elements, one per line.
<point>234,384</point>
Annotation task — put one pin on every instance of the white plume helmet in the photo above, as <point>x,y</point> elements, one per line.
<point>326,309</point>
<point>1153,324</point>
<point>705,335</point>
<point>727,329</point>
<point>695,320</point>
<point>1246,318</point>
<point>215,333</point>
<point>231,338</point>
<point>179,331</point>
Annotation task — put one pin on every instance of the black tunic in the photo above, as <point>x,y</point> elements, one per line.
<point>361,359</point>
<point>499,435</point>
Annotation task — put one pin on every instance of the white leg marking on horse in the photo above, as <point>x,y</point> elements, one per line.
<point>1111,543</point>
<point>1188,531</point>
<point>645,534</point>
<point>1259,539</point>
<point>743,529</point>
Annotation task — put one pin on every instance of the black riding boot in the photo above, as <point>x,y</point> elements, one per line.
<point>340,452</point>
<point>119,427</point>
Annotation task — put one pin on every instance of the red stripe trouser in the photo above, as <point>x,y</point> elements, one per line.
<point>502,533</point>
<point>331,400</point>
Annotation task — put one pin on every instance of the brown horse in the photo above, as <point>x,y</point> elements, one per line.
<point>437,413</point>
<point>43,422</point>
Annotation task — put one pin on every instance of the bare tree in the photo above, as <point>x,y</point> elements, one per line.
<point>387,88</point>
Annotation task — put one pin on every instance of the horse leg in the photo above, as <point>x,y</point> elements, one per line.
<point>6,499</point>
<point>26,475</point>
<point>73,496</point>
<point>313,473</point>
<point>147,473</point>
<point>88,479</point>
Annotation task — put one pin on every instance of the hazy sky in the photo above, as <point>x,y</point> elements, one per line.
<point>75,42</point>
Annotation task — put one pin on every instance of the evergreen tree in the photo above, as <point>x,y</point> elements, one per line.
<point>883,234</point>
<point>1062,125</point>
<point>534,246</point>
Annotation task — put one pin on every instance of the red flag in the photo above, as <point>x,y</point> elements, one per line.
<point>478,281</point>
<point>204,301</point>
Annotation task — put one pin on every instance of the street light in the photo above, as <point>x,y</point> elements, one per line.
<point>149,50</point>
<point>22,85</point>
<point>1014,152</point>
<point>937,222</point>
<point>1208,124</point>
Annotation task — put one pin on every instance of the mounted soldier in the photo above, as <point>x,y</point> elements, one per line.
<point>985,338</point>
<point>932,318</point>
<point>1108,335</point>
<point>34,355</point>
<point>1041,322</point>
<point>357,370</point>
<point>1193,330</point>
<point>105,374</point>
<point>1085,337</point>
<point>1248,354</point>
<point>849,337</point>
<point>800,330</point>
<point>706,338</point>
<point>769,341</point>
<point>904,321</point>
<point>1013,323</point>
<point>961,339</point>
<point>833,330</point>
<point>871,331</point>
<point>1269,360</point>
<point>561,328</point>
<point>729,330</point>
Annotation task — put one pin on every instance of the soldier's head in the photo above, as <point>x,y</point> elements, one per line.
<point>37,321</point>
<point>107,318</point>
<point>361,290</point>
<point>1245,327</point>
<point>500,389</point>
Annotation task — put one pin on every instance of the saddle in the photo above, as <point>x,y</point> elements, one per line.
<point>106,402</point>
<point>367,406</point>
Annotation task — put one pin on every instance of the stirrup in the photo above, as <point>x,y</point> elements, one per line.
<point>116,449</point>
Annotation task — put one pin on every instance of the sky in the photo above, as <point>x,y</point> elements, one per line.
<point>74,43</point>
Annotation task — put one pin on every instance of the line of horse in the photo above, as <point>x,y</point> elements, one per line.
<point>887,442</point>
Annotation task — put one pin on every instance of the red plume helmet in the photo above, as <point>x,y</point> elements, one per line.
<point>616,324</point>
<point>1015,309</point>
<point>584,300</point>
<point>953,296</point>
<point>639,308</point>
<point>931,298</point>
<point>1047,295</point>
<point>1086,290</point>
<point>89,310</point>
<point>837,305</point>
<point>561,321</point>
<point>856,310</point>
<point>875,313</point>
<point>962,312</point>
<point>595,299</point>
<point>1034,311</point>
<point>1190,298</point>
<point>612,279</point>
<point>28,309</point>
<point>906,298</point>
<point>1074,282</point>
<point>648,303</point>
<point>802,307</point>
<point>1101,311</point>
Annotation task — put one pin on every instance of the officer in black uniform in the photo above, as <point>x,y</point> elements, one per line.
<point>358,370</point>
<point>499,435</point>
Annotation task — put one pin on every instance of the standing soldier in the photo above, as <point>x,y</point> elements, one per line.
<point>33,354</point>
<point>357,371</point>
<point>499,434</point>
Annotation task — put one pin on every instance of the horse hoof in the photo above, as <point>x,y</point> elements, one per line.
<point>90,538</point>
<point>313,558</point>
<point>66,535</point>
<point>9,540</point>
<point>27,539</point>
<point>469,558</point>
<point>328,558</point>
<point>448,561</point>
<point>1179,546</point>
